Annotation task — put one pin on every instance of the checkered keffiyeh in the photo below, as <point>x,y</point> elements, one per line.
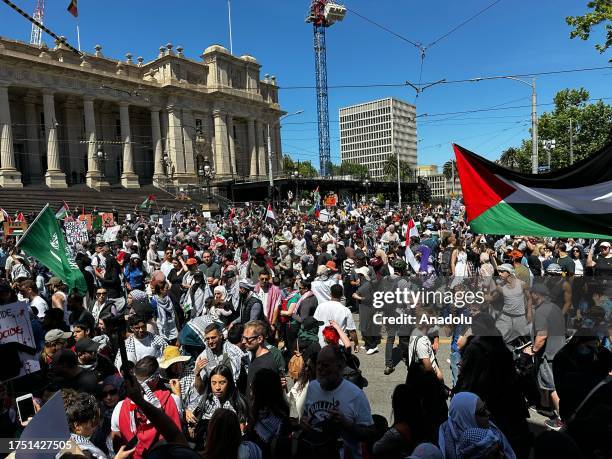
<point>157,345</point>
<point>477,441</point>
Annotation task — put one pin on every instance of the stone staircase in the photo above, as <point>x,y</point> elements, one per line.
<point>31,199</point>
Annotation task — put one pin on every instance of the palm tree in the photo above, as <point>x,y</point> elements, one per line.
<point>390,168</point>
<point>449,170</point>
<point>509,158</point>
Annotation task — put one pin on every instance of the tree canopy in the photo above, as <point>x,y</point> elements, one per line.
<point>583,25</point>
<point>304,168</point>
<point>390,169</point>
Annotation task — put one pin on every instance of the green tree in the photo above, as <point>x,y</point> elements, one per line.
<point>390,169</point>
<point>582,25</point>
<point>305,168</point>
<point>515,158</point>
<point>447,169</point>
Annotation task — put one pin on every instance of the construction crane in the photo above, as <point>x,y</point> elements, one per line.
<point>323,13</point>
<point>39,14</point>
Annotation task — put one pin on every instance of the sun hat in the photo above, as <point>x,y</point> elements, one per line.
<point>172,354</point>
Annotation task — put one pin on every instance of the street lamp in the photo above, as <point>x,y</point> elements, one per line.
<point>548,145</point>
<point>534,116</point>
<point>296,175</point>
<point>270,176</point>
<point>366,184</point>
<point>207,173</point>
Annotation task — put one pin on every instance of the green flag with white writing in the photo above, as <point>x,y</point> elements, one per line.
<point>45,241</point>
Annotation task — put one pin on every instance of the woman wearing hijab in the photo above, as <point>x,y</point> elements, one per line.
<point>467,411</point>
<point>221,309</point>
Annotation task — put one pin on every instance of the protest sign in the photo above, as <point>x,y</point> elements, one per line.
<point>88,219</point>
<point>108,219</point>
<point>324,215</point>
<point>166,221</point>
<point>110,233</point>
<point>15,324</point>
<point>76,231</point>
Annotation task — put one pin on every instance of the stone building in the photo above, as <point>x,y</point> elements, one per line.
<point>67,118</point>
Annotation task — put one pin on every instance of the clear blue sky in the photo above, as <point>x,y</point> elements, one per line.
<point>511,37</point>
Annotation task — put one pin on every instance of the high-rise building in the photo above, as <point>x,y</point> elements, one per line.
<point>373,131</point>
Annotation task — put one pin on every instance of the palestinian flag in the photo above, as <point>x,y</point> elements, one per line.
<point>62,213</point>
<point>73,9</point>
<point>572,202</point>
<point>147,202</point>
<point>315,210</point>
<point>411,232</point>
<point>270,213</point>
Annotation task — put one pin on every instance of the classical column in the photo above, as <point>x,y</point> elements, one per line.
<point>232,145</point>
<point>175,142</point>
<point>94,175</point>
<point>279,147</point>
<point>32,132</point>
<point>128,179</point>
<point>10,177</point>
<point>252,147</point>
<point>73,133</point>
<point>159,178</point>
<point>55,177</point>
<point>188,142</point>
<point>261,148</point>
<point>221,150</point>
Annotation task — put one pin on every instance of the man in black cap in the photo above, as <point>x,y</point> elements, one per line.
<point>66,373</point>
<point>86,350</point>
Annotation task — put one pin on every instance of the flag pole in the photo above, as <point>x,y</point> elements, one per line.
<point>78,36</point>
<point>23,236</point>
<point>229,18</point>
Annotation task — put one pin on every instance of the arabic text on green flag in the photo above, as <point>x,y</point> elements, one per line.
<point>45,241</point>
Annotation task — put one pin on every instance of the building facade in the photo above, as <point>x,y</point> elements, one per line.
<point>373,131</point>
<point>67,118</point>
<point>441,187</point>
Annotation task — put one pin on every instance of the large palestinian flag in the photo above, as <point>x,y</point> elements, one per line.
<point>571,202</point>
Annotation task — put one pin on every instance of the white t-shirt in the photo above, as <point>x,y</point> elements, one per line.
<point>117,410</point>
<point>348,399</point>
<point>423,349</point>
<point>299,247</point>
<point>41,305</point>
<point>333,310</point>
<point>322,288</point>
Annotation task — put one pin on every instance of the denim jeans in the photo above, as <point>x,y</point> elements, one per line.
<point>455,358</point>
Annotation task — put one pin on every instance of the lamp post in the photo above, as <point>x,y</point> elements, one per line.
<point>534,116</point>
<point>548,145</point>
<point>270,176</point>
<point>296,175</point>
<point>366,184</point>
<point>208,174</point>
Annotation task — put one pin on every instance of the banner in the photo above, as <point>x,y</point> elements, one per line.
<point>45,241</point>
<point>88,219</point>
<point>76,231</point>
<point>108,219</point>
<point>14,228</point>
<point>110,233</point>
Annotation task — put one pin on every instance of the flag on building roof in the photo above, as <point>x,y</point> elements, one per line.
<point>570,202</point>
<point>73,9</point>
<point>62,212</point>
<point>147,202</point>
<point>270,213</point>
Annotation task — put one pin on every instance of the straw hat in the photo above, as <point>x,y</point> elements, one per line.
<point>172,354</point>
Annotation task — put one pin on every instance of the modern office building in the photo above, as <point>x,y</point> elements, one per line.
<point>441,187</point>
<point>373,131</point>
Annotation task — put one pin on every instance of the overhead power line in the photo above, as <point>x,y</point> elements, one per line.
<point>464,80</point>
<point>386,29</point>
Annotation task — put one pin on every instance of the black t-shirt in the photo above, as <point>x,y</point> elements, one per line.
<point>603,266</point>
<point>263,361</point>
<point>85,381</point>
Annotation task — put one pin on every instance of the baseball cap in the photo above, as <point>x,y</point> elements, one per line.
<point>605,244</point>
<point>86,345</point>
<point>331,265</point>
<point>55,281</point>
<point>540,288</point>
<point>192,261</point>
<point>506,267</point>
<point>56,334</point>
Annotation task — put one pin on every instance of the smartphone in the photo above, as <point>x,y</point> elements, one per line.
<point>25,407</point>
<point>130,444</point>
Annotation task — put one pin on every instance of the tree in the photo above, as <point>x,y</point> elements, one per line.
<point>358,171</point>
<point>582,25</point>
<point>390,169</point>
<point>515,158</point>
<point>591,128</point>
<point>447,169</point>
<point>304,168</point>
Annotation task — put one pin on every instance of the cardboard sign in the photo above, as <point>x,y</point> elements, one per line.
<point>14,228</point>
<point>76,231</point>
<point>110,233</point>
<point>324,216</point>
<point>108,219</point>
<point>15,324</point>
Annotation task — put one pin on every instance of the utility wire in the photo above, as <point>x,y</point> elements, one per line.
<point>386,29</point>
<point>454,29</point>
<point>464,80</point>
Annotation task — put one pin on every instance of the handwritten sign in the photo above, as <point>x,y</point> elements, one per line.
<point>110,233</point>
<point>15,324</point>
<point>76,231</point>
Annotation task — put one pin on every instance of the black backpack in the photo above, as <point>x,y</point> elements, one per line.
<point>445,263</point>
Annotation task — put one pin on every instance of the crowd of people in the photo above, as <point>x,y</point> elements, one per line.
<point>243,332</point>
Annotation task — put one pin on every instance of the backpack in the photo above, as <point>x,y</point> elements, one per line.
<point>296,363</point>
<point>446,260</point>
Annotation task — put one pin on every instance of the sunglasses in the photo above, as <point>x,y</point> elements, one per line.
<point>249,339</point>
<point>106,393</point>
